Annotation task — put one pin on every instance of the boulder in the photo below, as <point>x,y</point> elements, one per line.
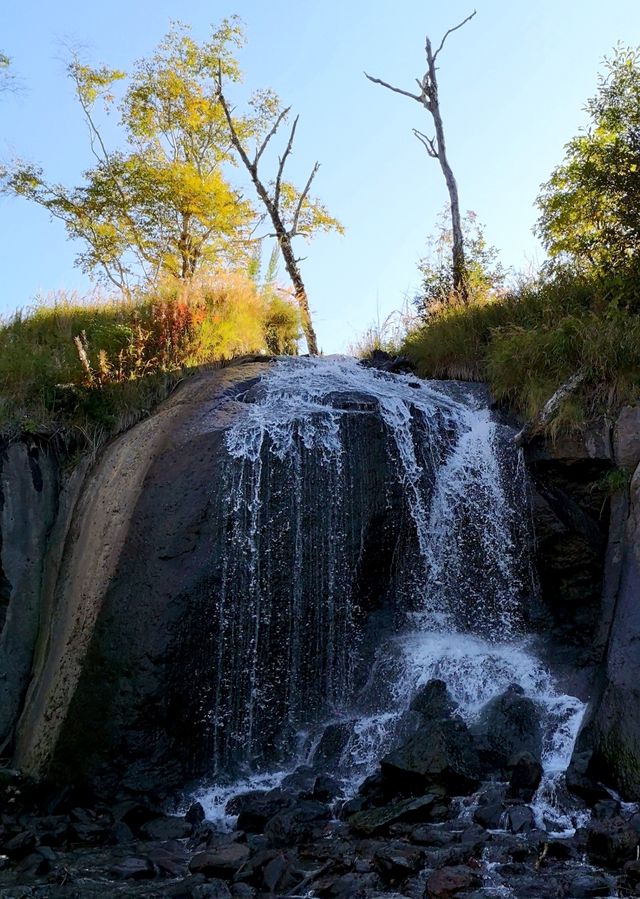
<point>255,808</point>
<point>333,741</point>
<point>297,824</point>
<point>525,777</point>
<point>378,820</point>
<point>133,869</point>
<point>506,726</point>
<point>588,885</point>
<point>300,781</point>
<point>224,861</point>
<point>451,881</point>
<point>613,842</point>
<point>491,808</point>
<point>433,701</point>
<point>520,819</point>
<point>441,754</point>
<point>396,861</point>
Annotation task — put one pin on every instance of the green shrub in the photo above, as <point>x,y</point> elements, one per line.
<point>99,364</point>
<point>528,342</point>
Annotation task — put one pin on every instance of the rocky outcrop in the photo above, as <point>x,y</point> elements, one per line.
<point>29,487</point>
<point>148,669</point>
<point>609,746</point>
<point>586,508</point>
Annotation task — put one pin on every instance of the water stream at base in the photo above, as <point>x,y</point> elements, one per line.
<point>464,486</point>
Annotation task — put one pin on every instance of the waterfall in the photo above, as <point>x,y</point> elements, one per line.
<point>346,584</point>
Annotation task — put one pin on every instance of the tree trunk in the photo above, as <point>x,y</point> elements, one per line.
<point>300,293</point>
<point>282,235</point>
<point>458,260</point>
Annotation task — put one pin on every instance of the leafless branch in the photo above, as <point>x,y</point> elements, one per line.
<point>397,90</point>
<point>450,31</point>
<point>276,125</point>
<point>429,143</point>
<point>294,226</point>
<point>282,161</point>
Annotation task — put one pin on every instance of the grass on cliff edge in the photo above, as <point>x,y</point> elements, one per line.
<point>87,368</point>
<point>527,343</point>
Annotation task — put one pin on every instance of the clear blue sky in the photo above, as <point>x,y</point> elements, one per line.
<point>513,84</point>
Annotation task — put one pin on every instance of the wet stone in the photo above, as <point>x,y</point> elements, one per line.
<point>221,862</point>
<point>585,886</point>
<point>520,819</point>
<point>451,881</point>
<point>133,869</point>
<point>378,820</point>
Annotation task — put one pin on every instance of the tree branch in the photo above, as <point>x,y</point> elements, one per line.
<point>263,146</point>
<point>429,143</point>
<point>282,161</point>
<point>397,90</point>
<point>294,226</point>
<point>450,31</point>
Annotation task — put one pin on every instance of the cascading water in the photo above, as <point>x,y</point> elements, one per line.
<point>343,590</point>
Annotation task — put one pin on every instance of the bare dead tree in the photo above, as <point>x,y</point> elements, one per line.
<point>271,198</point>
<point>437,149</point>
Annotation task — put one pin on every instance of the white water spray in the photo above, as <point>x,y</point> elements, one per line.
<point>466,623</point>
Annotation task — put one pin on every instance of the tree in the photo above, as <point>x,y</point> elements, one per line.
<point>436,148</point>
<point>292,212</point>
<point>160,206</point>
<point>590,207</point>
<point>484,272</point>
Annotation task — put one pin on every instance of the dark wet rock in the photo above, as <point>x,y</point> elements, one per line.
<point>587,885</point>
<point>508,725</point>
<point>326,788</point>
<point>606,808</point>
<point>223,862</point>
<point>254,809</point>
<point>441,754</point>
<point>526,774</point>
<point>133,868</point>
<point>632,874</point>
<point>34,865</point>
<point>300,781</point>
<point>242,891</point>
<point>396,862</point>
<point>349,886</point>
<point>433,701</point>
<point>562,850</point>
<point>19,845</point>
<point>166,828</point>
<point>251,871</point>
<point>214,889</point>
<point>297,824</point>
<point>121,833</point>
<point>377,820</point>
<point>195,814</point>
<point>519,819</point>
<point>170,858</point>
<point>491,808</point>
<point>281,873</point>
<point>384,361</point>
<point>135,814</point>
<point>424,835</point>
<point>580,778</point>
<point>612,843</point>
<point>452,881</point>
<point>332,743</point>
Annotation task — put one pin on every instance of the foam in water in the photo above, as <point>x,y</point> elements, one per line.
<point>465,492</point>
